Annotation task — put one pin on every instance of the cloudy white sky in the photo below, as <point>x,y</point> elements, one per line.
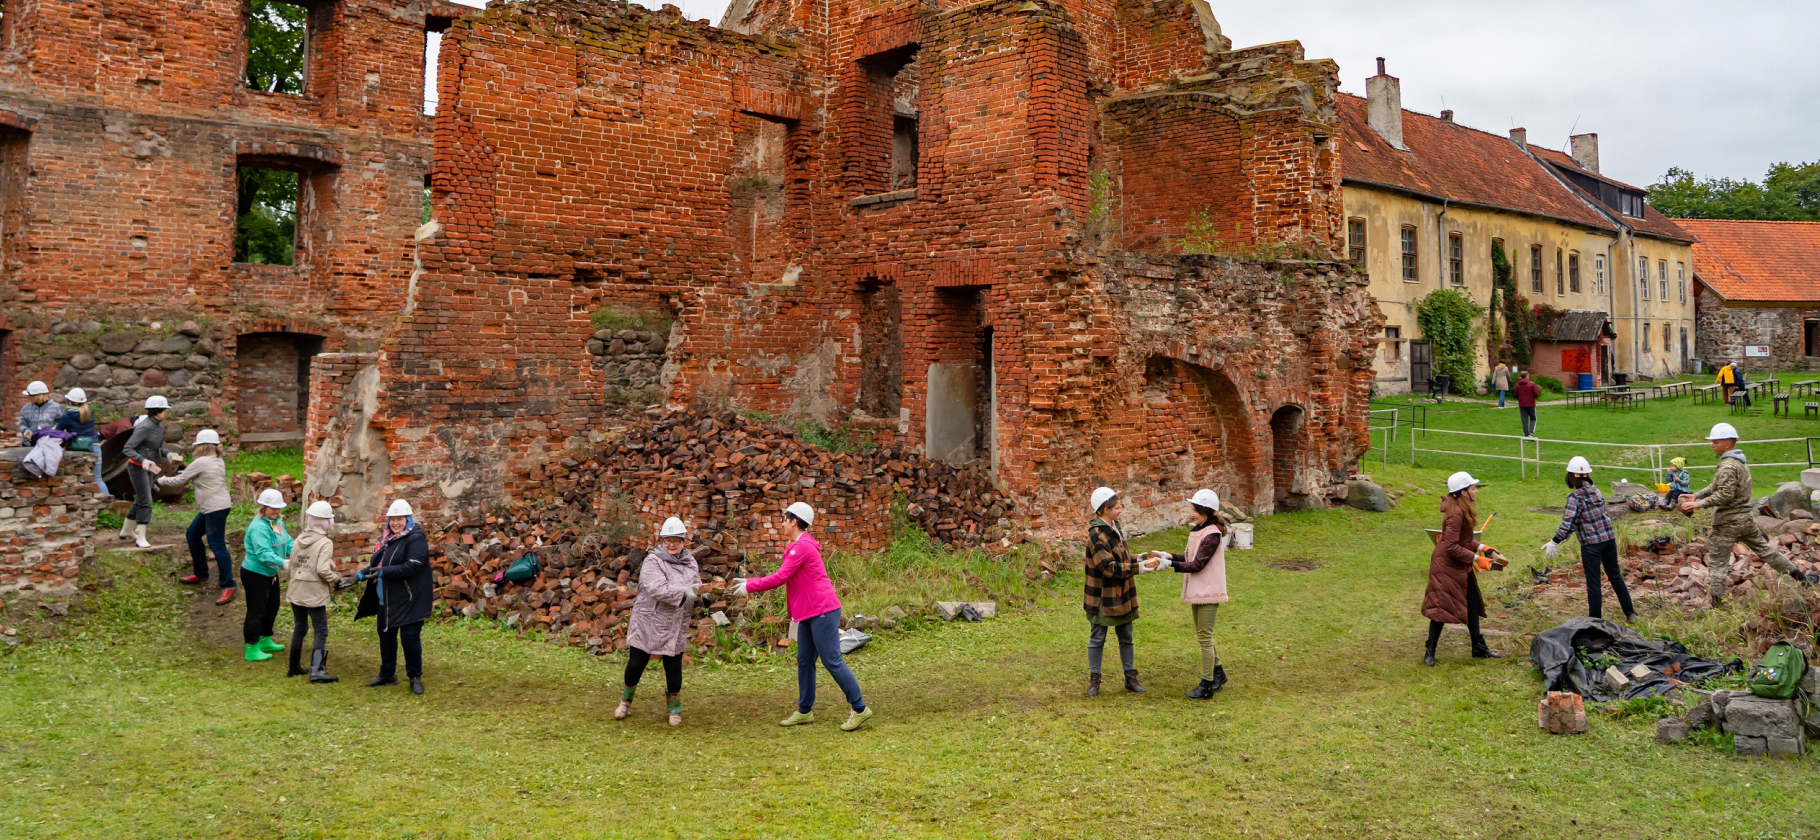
<point>1723,89</point>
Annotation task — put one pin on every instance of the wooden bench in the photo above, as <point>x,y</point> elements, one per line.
<point>1706,392</point>
<point>1805,386</point>
<point>1812,410</point>
<point>1781,406</point>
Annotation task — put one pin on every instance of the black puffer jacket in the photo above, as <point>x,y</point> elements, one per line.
<point>403,567</point>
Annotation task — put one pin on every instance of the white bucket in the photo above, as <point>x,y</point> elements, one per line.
<point>1241,535</point>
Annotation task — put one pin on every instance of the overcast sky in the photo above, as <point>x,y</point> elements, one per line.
<point>1723,89</point>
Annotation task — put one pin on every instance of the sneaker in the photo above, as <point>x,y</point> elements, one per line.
<point>625,708</point>
<point>798,719</point>
<point>856,720</point>
<point>191,580</point>
<point>675,720</point>
<point>226,596</point>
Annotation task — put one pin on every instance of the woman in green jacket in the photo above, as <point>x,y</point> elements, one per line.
<point>268,549</point>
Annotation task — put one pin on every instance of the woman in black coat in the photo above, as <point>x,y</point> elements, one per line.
<point>399,592</point>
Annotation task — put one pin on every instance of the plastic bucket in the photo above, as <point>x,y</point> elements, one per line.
<point>1241,535</point>
<point>1586,382</point>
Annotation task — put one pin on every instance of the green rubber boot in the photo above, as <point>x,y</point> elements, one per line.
<point>254,654</point>
<point>797,719</point>
<point>266,644</point>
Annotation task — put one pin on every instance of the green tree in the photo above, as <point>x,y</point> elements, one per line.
<point>274,47</point>
<point>1447,318</point>
<point>1788,192</point>
<point>266,217</point>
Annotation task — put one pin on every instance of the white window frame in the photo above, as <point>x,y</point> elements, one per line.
<point>1643,275</point>
<point>1599,272</point>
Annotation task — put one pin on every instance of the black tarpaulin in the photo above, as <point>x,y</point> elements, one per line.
<point>1555,653</point>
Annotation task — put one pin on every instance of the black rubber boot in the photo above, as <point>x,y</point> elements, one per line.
<point>1219,677</point>
<point>296,663</point>
<point>1429,657</point>
<point>1481,650</point>
<point>1203,691</point>
<point>417,685</point>
<point>1131,682</point>
<point>380,680</point>
<point>1093,685</point>
<point>319,667</point>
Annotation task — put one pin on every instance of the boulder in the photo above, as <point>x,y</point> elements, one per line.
<point>1366,495</point>
<point>179,378</point>
<point>1789,497</point>
<point>94,377</point>
<point>124,376</point>
<point>189,328</point>
<point>175,344</point>
<point>142,362</point>
<point>170,361</point>
<point>154,378</point>
<point>147,345</point>
<point>196,362</point>
<point>65,378</point>
<point>117,342</point>
<point>83,361</point>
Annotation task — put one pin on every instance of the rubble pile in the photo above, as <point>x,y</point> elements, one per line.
<point>729,478</point>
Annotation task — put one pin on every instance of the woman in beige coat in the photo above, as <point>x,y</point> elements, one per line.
<point>313,581</point>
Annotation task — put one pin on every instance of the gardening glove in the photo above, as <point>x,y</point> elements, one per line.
<point>739,588</point>
<point>1550,549</point>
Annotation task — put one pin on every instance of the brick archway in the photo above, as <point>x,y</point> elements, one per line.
<point>1198,431</point>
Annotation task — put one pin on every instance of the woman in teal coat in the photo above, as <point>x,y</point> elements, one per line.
<point>268,550</point>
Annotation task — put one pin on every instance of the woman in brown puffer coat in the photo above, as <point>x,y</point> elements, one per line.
<point>1453,590</point>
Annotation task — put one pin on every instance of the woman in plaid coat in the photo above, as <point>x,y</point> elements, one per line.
<point>1111,589</point>
<point>1585,516</point>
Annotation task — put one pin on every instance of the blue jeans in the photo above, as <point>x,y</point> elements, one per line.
<point>1500,399</point>
<point>214,525</point>
<point>100,483</point>
<point>820,636</point>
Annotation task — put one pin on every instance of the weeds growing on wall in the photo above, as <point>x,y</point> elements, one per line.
<point>1447,318</point>
<point>1102,207</point>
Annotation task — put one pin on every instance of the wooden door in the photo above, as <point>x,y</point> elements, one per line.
<point>1421,357</point>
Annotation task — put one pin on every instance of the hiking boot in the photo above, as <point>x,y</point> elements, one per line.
<point>319,667</point>
<point>417,685</point>
<point>381,680</point>
<point>1131,682</point>
<point>254,654</point>
<point>1481,650</point>
<point>266,644</point>
<point>857,719</point>
<point>1219,677</point>
<point>798,719</point>
<point>191,580</point>
<point>1093,685</point>
<point>1428,658</point>
<point>1203,691</point>
<point>226,596</point>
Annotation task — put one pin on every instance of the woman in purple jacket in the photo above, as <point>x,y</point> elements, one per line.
<point>810,598</point>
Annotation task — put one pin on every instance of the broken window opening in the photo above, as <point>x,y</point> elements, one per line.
<point>14,146</point>
<point>425,218</point>
<point>265,228</point>
<point>433,27</point>
<point>273,371</point>
<point>277,46</point>
<point>881,351</point>
<point>888,139</point>
<point>903,152</point>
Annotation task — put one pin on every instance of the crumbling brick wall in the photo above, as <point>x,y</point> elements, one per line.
<point>47,525</point>
<point>122,128</point>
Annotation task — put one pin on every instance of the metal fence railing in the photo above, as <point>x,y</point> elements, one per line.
<point>1389,426</point>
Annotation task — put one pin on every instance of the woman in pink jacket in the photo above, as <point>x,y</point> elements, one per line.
<point>810,598</point>
<point>1204,588</point>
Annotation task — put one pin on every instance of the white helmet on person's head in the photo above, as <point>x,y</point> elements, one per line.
<point>320,509</point>
<point>1722,431</point>
<point>156,401</point>
<point>1205,498</point>
<point>673,527</point>
<point>77,396</point>
<point>37,387</point>
<point>1101,496</point>
<point>802,511</point>
<point>398,508</point>
<point>270,497</point>
<point>1460,481</point>
<point>1579,466</point>
<point>208,436</point>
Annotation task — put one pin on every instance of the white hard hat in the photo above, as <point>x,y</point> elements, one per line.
<point>674,527</point>
<point>208,436</point>
<point>320,509</point>
<point>399,508</point>
<point>1460,481</point>
<point>156,401</point>
<point>1206,498</point>
<point>36,388</point>
<point>77,396</point>
<point>1578,466</point>
<point>1722,431</point>
<point>1101,496</point>
<point>801,510</point>
<point>270,497</point>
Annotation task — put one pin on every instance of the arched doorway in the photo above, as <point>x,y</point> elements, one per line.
<point>1286,443</point>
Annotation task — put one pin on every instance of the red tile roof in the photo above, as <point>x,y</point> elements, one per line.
<point>1757,261</point>
<point>1653,222</point>
<point>1450,161</point>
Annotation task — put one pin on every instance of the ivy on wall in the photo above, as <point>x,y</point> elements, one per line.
<point>1446,317</point>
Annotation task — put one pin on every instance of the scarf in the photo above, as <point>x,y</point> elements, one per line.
<point>389,535</point>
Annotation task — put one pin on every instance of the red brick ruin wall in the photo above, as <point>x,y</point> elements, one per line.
<point>609,180</point>
<point>124,126</point>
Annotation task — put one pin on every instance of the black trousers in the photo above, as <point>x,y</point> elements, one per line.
<point>1603,556</point>
<point>317,619</point>
<point>411,635</point>
<point>1528,414</point>
<point>635,670</point>
<point>141,512</point>
<point>1474,605</point>
<point>261,604</point>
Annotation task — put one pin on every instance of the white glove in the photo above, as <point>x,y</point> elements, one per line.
<point>1551,549</point>
<point>739,588</point>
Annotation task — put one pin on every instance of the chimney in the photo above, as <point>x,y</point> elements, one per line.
<point>1586,151</point>
<point>1447,115</point>
<point>1520,136</point>
<point>1384,106</point>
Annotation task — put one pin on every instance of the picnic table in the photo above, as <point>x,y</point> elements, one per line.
<point>1756,389</point>
<point>1626,397</point>
<point>1706,392</point>
<point>1589,396</point>
<point>1805,386</point>
<point>1671,389</point>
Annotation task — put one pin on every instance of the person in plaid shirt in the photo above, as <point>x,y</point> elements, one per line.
<point>1110,596</point>
<point>1585,515</point>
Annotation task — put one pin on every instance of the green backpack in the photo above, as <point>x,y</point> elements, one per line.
<point>1779,671</point>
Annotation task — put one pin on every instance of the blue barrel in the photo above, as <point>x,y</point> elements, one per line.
<point>1586,382</point>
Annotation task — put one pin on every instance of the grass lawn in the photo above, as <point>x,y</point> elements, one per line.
<point>138,718</point>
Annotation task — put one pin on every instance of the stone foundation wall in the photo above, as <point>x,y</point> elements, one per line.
<point>1722,330</point>
<point>47,525</point>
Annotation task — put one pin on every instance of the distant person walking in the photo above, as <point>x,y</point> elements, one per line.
<point>669,582</point>
<point>1453,589</point>
<point>1500,381</point>
<point>1585,515</point>
<point>1729,497</point>
<point>207,474</point>
<point>267,551</point>
<point>809,597</point>
<point>1526,403</point>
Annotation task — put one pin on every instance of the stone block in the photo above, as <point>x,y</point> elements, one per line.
<point>1639,672</point>
<point>1810,478</point>
<point>986,609</point>
<point>1786,746</point>
<point>1670,730</point>
<point>948,609</point>
<point>720,618</point>
<point>1762,717</point>
<point>1750,745</point>
<point>1615,679</point>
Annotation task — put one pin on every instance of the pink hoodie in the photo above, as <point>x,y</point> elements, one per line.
<point>807,590</point>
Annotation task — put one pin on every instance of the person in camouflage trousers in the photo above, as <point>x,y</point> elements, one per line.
<point>1729,497</point>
